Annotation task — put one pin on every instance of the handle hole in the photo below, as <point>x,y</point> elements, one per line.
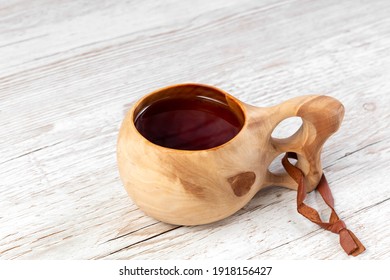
<point>287,127</point>
<point>276,166</point>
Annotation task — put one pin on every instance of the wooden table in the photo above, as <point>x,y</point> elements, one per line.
<point>69,70</point>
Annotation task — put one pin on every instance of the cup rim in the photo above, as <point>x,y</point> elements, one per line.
<point>239,104</point>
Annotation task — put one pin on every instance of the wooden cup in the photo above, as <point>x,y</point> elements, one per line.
<point>197,187</point>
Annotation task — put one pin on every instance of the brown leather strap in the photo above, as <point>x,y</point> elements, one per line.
<point>349,242</point>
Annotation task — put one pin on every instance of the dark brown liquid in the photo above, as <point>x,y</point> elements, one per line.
<point>188,124</point>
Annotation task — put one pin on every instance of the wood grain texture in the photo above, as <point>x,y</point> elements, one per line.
<point>70,71</point>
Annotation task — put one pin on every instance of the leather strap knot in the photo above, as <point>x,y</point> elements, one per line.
<point>348,241</point>
<point>337,227</point>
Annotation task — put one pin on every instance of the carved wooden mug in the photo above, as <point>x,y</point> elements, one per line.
<point>191,187</point>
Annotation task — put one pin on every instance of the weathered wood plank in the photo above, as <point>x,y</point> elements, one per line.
<point>68,75</point>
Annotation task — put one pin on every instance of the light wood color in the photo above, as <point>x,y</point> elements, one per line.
<point>198,187</point>
<point>70,70</point>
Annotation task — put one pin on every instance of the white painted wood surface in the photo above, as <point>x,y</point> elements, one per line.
<point>69,70</point>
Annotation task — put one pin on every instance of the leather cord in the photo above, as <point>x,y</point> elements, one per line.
<point>348,241</point>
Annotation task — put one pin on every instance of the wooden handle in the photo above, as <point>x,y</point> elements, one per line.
<point>321,116</point>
